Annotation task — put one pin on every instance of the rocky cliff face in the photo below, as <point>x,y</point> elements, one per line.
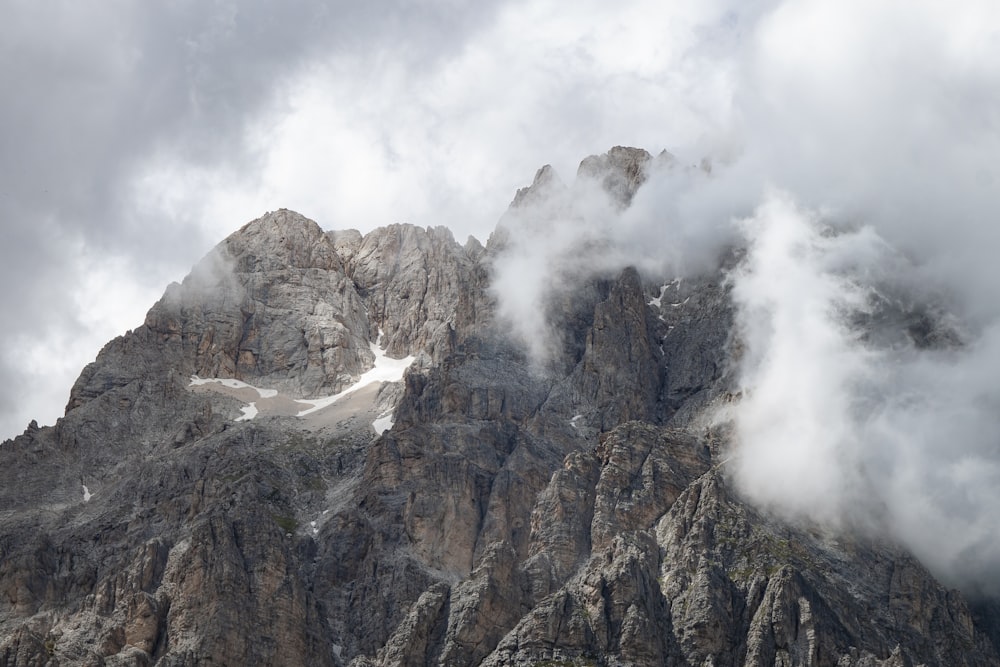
<point>477,511</point>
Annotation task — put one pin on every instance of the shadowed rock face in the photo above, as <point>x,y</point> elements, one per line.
<point>508,517</point>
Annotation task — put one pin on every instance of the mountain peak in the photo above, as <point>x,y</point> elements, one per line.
<point>281,238</point>
<point>620,171</point>
<point>545,183</point>
<point>328,448</point>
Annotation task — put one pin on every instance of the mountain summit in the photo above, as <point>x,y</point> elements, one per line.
<point>328,448</point>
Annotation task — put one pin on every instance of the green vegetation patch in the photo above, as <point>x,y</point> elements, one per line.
<point>287,523</point>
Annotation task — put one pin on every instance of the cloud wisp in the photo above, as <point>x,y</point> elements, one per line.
<point>867,297</point>
<point>863,407</point>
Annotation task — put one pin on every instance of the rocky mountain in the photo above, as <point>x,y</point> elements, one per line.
<point>324,448</point>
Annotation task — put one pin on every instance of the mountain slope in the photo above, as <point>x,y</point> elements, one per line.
<point>574,514</point>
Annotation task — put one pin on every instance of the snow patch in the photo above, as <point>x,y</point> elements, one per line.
<point>314,528</point>
<point>657,300</point>
<point>574,420</point>
<point>384,423</point>
<point>87,495</point>
<point>249,412</point>
<point>386,369</point>
<point>233,384</point>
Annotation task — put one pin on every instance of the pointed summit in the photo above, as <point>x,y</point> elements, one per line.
<point>620,171</point>
<point>545,184</point>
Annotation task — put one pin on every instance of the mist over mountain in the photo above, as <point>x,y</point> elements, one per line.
<point>865,356</point>
<point>653,420</point>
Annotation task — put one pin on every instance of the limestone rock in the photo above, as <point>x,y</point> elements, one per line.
<point>544,187</point>
<point>620,171</point>
<point>621,370</point>
<point>418,285</point>
<point>271,305</point>
<point>510,515</point>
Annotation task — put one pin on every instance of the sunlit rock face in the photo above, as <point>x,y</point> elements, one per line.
<point>333,448</point>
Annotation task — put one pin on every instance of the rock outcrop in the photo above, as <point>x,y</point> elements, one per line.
<point>620,171</point>
<point>502,516</point>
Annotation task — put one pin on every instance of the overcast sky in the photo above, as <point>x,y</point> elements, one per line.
<point>136,135</point>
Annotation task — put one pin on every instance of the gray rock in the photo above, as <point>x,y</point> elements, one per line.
<point>578,514</point>
<point>620,171</point>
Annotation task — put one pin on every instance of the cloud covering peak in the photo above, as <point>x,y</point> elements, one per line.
<point>854,167</point>
<point>851,147</point>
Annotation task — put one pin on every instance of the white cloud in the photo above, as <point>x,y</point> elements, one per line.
<point>841,421</point>
<point>801,367</point>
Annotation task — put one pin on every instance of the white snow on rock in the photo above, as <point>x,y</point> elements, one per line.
<point>657,300</point>
<point>249,412</point>
<point>383,423</point>
<point>234,384</point>
<point>574,420</point>
<point>386,369</point>
<point>87,495</point>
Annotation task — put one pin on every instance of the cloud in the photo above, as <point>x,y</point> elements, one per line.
<point>848,417</point>
<point>802,369</point>
<point>858,170</point>
<point>888,146</point>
